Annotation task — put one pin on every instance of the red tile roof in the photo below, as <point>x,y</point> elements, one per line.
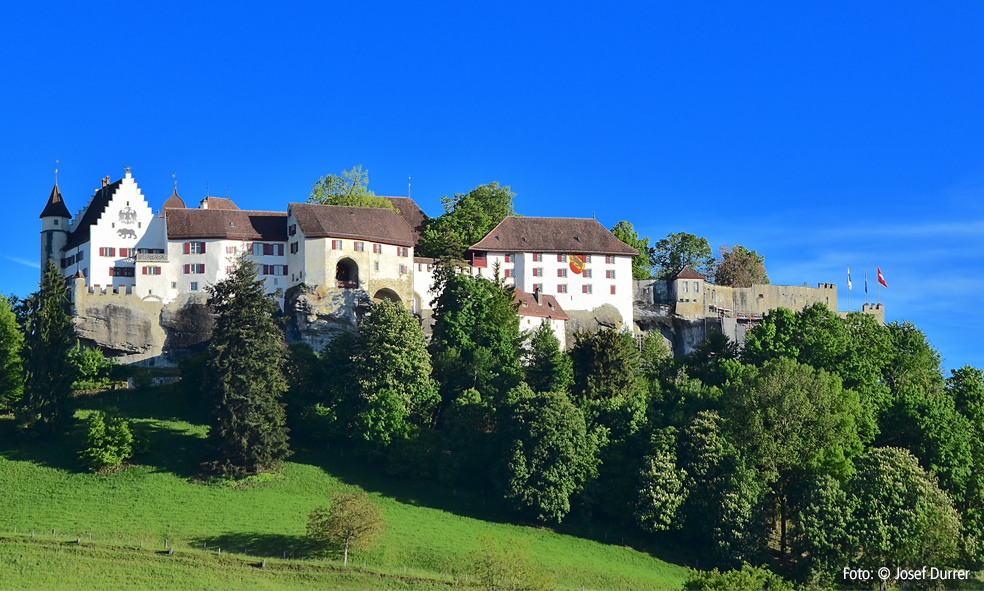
<point>357,223</point>
<point>688,273</point>
<point>227,224</point>
<point>220,203</point>
<point>175,202</point>
<point>411,214</point>
<point>56,205</point>
<point>546,307</point>
<point>566,235</point>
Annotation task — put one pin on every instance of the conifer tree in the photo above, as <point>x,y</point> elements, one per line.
<point>244,376</point>
<point>48,367</point>
<point>11,343</point>
<point>548,369</point>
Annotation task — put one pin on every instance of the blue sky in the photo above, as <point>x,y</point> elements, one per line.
<point>821,136</point>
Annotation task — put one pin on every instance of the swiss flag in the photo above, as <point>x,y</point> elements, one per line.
<point>881,278</point>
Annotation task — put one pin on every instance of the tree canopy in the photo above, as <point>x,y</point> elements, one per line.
<point>740,267</point>
<point>351,521</point>
<point>671,254</point>
<point>641,263</point>
<point>11,343</point>
<point>349,188</point>
<point>467,218</point>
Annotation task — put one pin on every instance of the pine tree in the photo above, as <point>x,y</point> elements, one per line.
<point>244,376</point>
<point>48,367</point>
<point>11,343</point>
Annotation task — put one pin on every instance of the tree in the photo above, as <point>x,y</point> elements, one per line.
<point>661,489</point>
<point>351,521</point>
<point>48,368</point>
<point>676,251</point>
<point>348,188</point>
<point>393,371</point>
<point>548,453</point>
<point>641,263</point>
<point>748,578</point>
<point>827,539</point>
<point>795,420</point>
<point>110,441</point>
<point>467,218</point>
<point>508,568</point>
<point>740,267</point>
<point>548,369</point>
<point>11,343</point>
<point>244,376</point>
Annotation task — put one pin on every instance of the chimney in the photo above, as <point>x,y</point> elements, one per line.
<point>104,183</point>
<point>536,296</point>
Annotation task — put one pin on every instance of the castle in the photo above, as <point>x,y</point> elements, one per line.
<point>139,276</point>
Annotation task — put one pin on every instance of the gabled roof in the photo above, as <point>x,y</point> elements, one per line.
<point>546,307</point>
<point>566,235</point>
<point>56,205</point>
<point>175,202</point>
<point>226,224</point>
<point>218,203</point>
<point>358,223</point>
<point>97,205</point>
<point>411,214</point>
<point>687,273</point>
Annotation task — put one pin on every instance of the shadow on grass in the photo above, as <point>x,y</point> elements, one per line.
<point>178,452</point>
<point>59,451</point>
<point>263,545</point>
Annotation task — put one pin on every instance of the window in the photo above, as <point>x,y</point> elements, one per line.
<point>194,269</point>
<point>538,271</point>
<point>508,272</point>
<point>587,258</point>
<point>613,290</point>
<point>377,249</point>
<point>360,246</point>
<point>194,248</point>
<point>610,274</point>
<point>685,286</point>
<point>510,258</point>
<point>336,245</point>
<point>586,288</point>
<point>561,272</point>
<point>108,252</point>
<point>403,269</point>
<point>402,251</point>
<point>537,257</point>
<point>56,222</point>
<point>561,258</point>
<point>294,247</point>
<point>122,272</point>
<point>274,270</point>
<point>562,288</point>
<point>586,273</point>
<point>537,287</point>
<point>194,286</point>
<point>292,229</point>
<point>174,285</point>
<point>696,287</point>
<point>376,266</point>
<point>230,250</point>
<point>151,270</point>
<point>609,259</point>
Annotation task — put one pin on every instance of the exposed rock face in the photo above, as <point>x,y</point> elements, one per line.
<point>316,315</point>
<point>120,323</point>
<point>606,316</point>
<point>187,321</point>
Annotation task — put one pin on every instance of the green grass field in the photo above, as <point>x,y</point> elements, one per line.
<point>431,531</point>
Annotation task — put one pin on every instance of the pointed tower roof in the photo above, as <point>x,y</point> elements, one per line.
<point>174,202</point>
<point>56,205</point>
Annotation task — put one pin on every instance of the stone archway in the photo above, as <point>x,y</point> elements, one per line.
<point>347,274</point>
<point>387,294</point>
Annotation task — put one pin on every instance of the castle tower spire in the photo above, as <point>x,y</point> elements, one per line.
<point>55,220</point>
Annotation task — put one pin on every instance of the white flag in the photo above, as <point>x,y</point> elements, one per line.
<point>848,278</point>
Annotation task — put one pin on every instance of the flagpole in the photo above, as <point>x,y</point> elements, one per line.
<point>866,285</point>
<point>848,289</point>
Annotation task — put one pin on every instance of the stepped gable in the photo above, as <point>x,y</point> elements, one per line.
<point>56,205</point>
<point>411,214</point>
<point>226,224</point>
<point>687,273</point>
<point>357,223</point>
<point>564,235</point>
<point>544,307</point>
<point>97,205</point>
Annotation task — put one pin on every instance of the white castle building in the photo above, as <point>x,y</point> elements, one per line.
<point>118,244</point>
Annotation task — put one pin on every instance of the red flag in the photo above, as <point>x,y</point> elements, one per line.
<point>881,278</point>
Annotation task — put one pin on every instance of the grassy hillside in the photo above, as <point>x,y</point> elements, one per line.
<point>431,530</point>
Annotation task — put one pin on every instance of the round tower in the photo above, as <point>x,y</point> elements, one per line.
<point>55,221</point>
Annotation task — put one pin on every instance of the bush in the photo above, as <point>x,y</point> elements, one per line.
<point>508,568</point>
<point>749,578</point>
<point>110,442</point>
<point>92,368</point>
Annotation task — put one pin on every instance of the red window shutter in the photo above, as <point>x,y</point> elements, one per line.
<point>285,269</point>
<point>202,249</point>
<point>203,267</point>
<point>187,267</point>
<point>144,270</point>
<point>110,271</point>
<point>187,247</point>
<point>613,290</point>
<point>280,250</point>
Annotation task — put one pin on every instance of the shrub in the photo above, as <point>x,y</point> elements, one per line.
<point>110,442</point>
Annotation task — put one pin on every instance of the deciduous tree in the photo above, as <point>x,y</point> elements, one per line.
<point>351,521</point>
<point>467,218</point>
<point>244,376</point>
<point>671,254</point>
<point>348,188</point>
<point>740,267</point>
<point>641,263</point>
<point>48,368</point>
